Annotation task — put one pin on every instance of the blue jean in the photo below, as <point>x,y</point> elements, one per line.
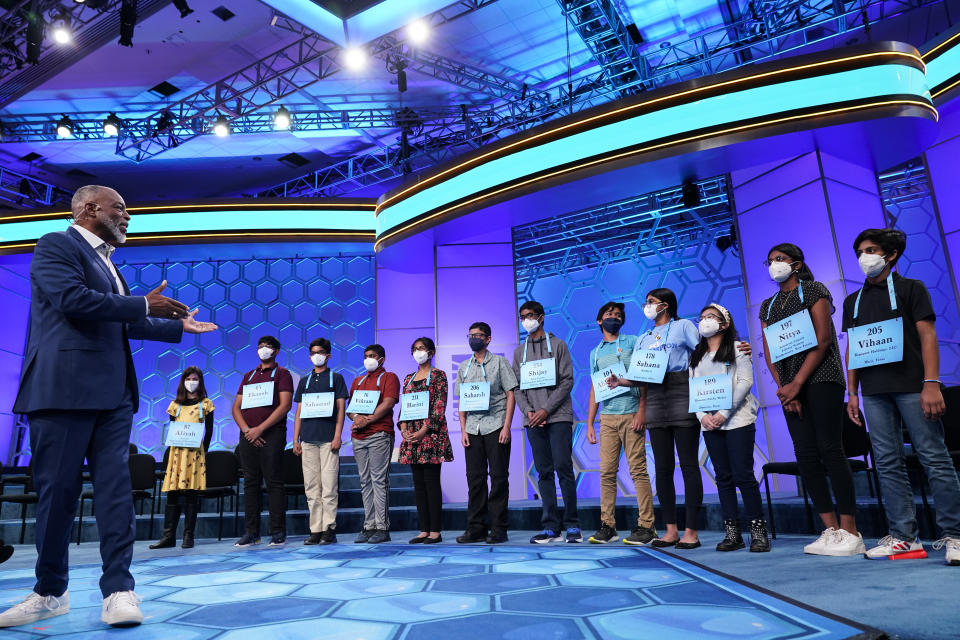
<point>731,452</point>
<point>884,413</point>
<point>552,446</point>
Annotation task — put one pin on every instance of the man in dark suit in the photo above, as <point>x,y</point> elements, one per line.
<point>79,391</point>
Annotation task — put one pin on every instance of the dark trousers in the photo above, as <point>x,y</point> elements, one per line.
<point>59,441</point>
<point>426,487</point>
<point>818,445</point>
<point>731,453</point>
<point>264,464</point>
<point>687,441</point>
<point>485,454</point>
<point>552,446</point>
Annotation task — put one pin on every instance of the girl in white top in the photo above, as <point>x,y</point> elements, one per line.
<point>729,433</point>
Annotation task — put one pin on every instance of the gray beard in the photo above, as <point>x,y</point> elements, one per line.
<point>114,228</point>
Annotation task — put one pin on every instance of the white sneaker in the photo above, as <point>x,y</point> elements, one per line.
<point>818,546</point>
<point>890,548</point>
<point>122,608</point>
<point>845,543</point>
<point>953,549</point>
<point>35,607</point>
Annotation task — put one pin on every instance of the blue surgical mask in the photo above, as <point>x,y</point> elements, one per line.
<point>477,344</point>
<point>611,325</point>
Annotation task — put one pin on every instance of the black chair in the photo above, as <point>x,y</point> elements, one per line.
<point>951,437</point>
<point>27,497</point>
<point>161,470</point>
<point>142,472</point>
<point>791,468</point>
<point>222,472</point>
<point>292,476</point>
<point>19,476</point>
<point>133,449</point>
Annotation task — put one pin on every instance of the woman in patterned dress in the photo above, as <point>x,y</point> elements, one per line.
<point>186,472</point>
<point>426,444</point>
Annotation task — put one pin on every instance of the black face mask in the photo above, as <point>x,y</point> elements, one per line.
<point>477,344</point>
<point>611,325</point>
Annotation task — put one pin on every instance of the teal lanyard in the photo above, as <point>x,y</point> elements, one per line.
<point>469,364</point>
<point>365,377</point>
<point>666,337</point>
<point>770,308</point>
<point>525,340</point>
<point>310,380</point>
<point>199,408</point>
<point>596,352</point>
<point>890,292</point>
<point>410,381</point>
<point>254,372</point>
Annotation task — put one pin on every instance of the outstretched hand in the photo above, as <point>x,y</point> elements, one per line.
<point>191,325</point>
<point>163,307</point>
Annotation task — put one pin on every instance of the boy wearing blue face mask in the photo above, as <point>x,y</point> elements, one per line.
<point>621,429</point>
<point>892,355</point>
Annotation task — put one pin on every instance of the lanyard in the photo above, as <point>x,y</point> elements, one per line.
<point>469,364</point>
<point>770,308</point>
<point>199,408</point>
<point>596,351</point>
<point>254,372</point>
<point>893,297</point>
<point>549,348</point>
<point>365,377</point>
<point>310,380</point>
<point>410,381</point>
<point>666,337</point>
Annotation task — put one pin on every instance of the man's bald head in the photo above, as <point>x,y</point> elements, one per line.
<point>102,211</point>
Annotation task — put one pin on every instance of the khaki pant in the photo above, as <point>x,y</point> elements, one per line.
<point>616,435</point>
<point>321,484</point>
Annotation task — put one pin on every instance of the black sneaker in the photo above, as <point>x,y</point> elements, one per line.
<point>641,536</point>
<point>364,535</point>
<point>314,538</point>
<point>546,537</point>
<point>247,540</point>
<point>328,537</point>
<point>574,535</point>
<point>497,537</point>
<point>469,537</point>
<point>604,535</point>
<point>378,536</point>
<point>278,539</point>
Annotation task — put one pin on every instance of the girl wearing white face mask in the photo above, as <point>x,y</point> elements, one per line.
<point>186,470</point>
<point>801,351</point>
<point>426,443</point>
<point>729,433</point>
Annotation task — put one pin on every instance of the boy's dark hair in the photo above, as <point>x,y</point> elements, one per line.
<point>889,240</point>
<point>726,353</point>
<point>270,341</point>
<point>377,349</point>
<point>323,343</point>
<point>182,390</point>
<point>532,305</point>
<point>612,305</point>
<point>483,326</point>
<point>428,343</point>
<point>668,297</point>
<point>796,253</point>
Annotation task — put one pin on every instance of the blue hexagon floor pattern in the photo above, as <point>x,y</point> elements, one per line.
<point>399,592</point>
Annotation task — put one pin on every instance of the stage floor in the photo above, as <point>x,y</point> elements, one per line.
<point>400,591</point>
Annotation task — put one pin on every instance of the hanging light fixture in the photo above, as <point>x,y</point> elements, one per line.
<point>65,127</point>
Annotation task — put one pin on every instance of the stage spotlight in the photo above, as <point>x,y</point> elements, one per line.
<point>418,31</point>
<point>35,28</point>
<point>65,127</point>
<point>61,32</point>
<point>182,7</point>
<point>164,121</point>
<point>401,80</point>
<point>128,21</point>
<point>112,125</point>
<point>691,194</point>
<point>281,119</point>
<point>355,58</point>
<point>222,126</point>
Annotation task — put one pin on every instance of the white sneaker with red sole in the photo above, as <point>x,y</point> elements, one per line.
<point>890,548</point>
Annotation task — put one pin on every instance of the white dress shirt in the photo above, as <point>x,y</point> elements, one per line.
<point>105,250</point>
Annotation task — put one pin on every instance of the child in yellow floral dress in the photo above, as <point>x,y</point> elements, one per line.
<point>186,472</point>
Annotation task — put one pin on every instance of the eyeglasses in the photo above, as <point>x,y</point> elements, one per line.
<point>711,317</point>
<point>319,353</point>
<point>786,259</point>
<point>482,336</point>
<point>529,316</point>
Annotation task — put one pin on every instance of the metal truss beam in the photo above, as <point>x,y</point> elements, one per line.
<point>92,29</point>
<point>758,36</point>
<point>20,191</point>
<point>89,126</point>
<point>602,29</point>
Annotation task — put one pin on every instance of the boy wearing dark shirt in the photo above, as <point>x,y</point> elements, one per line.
<point>892,355</point>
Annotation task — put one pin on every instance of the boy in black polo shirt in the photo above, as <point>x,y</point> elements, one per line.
<point>317,427</point>
<point>892,354</point>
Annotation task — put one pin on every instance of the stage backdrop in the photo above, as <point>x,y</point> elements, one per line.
<point>573,264</point>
